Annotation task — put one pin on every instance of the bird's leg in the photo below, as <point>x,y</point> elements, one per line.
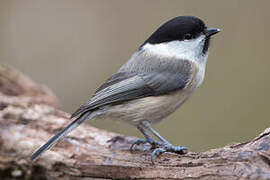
<point>148,139</point>
<point>165,146</point>
<point>148,126</point>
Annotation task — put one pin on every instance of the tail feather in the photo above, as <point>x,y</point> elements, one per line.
<point>59,135</point>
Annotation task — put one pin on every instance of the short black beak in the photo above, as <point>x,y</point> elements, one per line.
<point>211,31</point>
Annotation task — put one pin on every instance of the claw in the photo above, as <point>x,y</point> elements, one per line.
<point>155,153</point>
<point>168,148</point>
<point>179,149</point>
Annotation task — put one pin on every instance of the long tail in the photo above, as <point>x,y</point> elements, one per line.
<point>60,135</point>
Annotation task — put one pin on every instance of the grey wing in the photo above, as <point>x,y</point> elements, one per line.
<point>127,86</point>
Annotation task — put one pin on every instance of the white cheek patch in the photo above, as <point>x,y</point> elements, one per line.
<point>190,49</point>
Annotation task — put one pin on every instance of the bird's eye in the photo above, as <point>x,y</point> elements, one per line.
<point>187,36</point>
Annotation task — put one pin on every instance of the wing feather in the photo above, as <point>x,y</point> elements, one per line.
<point>134,87</point>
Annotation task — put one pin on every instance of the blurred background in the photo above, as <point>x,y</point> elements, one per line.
<point>74,46</point>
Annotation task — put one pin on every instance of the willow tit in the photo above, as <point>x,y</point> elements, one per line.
<point>158,78</point>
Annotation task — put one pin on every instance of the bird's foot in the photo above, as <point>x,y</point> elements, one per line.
<point>160,148</point>
<point>166,147</point>
<point>154,143</point>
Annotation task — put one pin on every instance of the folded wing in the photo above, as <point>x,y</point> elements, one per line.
<point>124,86</point>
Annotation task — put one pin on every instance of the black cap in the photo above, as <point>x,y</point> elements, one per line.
<point>179,28</point>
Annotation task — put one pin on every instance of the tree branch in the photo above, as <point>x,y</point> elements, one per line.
<point>29,117</point>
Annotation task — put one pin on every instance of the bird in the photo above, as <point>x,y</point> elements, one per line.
<point>159,77</point>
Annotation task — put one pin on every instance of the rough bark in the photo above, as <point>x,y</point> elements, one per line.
<point>29,116</point>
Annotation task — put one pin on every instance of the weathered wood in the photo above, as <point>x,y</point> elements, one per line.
<point>29,116</point>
